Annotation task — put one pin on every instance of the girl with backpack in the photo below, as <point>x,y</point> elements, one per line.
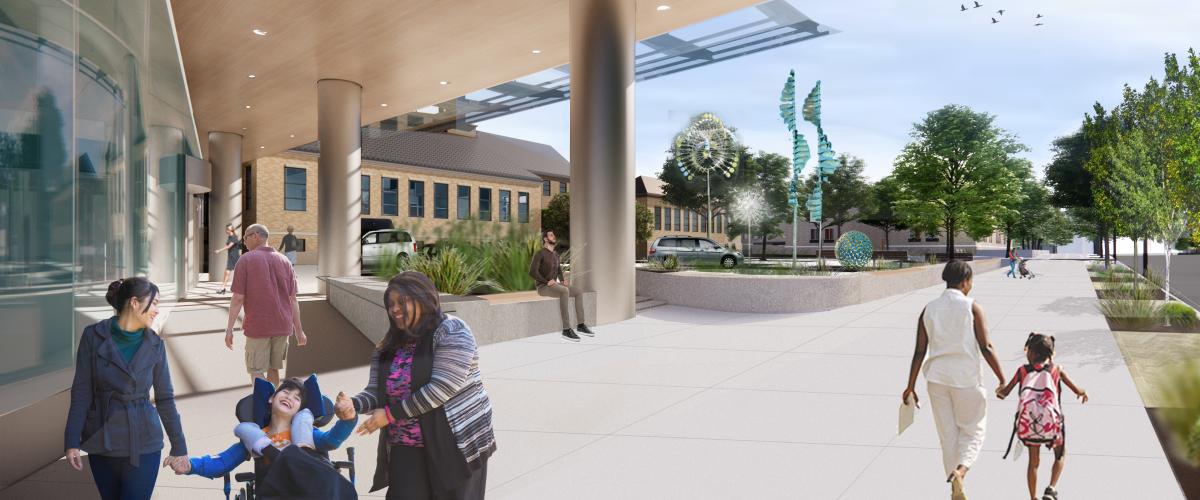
<point>1039,419</point>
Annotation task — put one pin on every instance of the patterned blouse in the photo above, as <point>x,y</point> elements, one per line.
<point>404,431</point>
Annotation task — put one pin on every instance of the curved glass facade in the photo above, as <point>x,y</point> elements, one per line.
<point>95,126</point>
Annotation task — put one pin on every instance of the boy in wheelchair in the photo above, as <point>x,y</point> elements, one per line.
<point>290,455</point>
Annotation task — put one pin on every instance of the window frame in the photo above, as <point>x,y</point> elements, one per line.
<point>505,206</point>
<point>657,218</point>
<point>365,203</point>
<point>485,214</point>
<point>459,205</point>
<point>546,187</point>
<point>288,182</point>
<point>442,212</point>
<point>522,218</point>
<point>418,204</point>
<point>395,192</point>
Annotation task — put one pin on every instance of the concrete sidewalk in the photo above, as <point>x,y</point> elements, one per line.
<point>683,403</point>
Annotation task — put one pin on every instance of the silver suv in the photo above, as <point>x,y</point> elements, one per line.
<point>693,251</point>
<point>377,244</point>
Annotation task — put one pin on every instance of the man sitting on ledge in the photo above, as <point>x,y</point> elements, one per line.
<point>547,272</point>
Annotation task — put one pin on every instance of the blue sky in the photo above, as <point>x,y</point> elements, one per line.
<point>894,61</point>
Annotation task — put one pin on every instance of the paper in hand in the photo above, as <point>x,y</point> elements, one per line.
<point>908,410</point>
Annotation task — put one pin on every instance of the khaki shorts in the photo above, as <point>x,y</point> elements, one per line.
<point>265,353</point>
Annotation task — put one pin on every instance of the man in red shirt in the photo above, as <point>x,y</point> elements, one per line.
<point>265,284</point>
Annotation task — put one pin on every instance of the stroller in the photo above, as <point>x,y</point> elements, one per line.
<point>1025,272</point>
<point>252,408</point>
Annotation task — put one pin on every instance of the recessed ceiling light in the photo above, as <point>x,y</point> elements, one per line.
<point>536,51</point>
<point>262,147</point>
<point>243,128</point>
<point>444,82</point>
<point>247,106</point>
<point>664,7</point>
<point>384,105</point>
<point>251,77</point>
<point>259,32</point>
<point>429,110</point>
<point>293,136</point>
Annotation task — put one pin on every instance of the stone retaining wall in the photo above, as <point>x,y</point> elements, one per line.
<point>788,294</point>
<point>360,300</point>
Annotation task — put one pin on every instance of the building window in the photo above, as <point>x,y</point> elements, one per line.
<point>658,218</point>
<point>914,236</point>
<point>416,198</point>
<point>294,189</point>
<point>391,196</point>
<point>829,236</point>
<point>464,202</point>
<point>505,205</point>
<point>704,222</point>
<point>720,223</point>
<point>812,235</point>
<point>687,220</point>
<point>522,207</point>
<point>545,188</point>
<point>667,218</point>
<point>441,201</point>
<point>366,195</point>
<point>485,203</point>
<point>932,237</point>
<point>678,219</point>
<point>562,187</point>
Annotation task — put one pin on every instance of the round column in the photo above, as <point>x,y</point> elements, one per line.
<point>225,199</point>
<point>602,155</point>
<point>339,192</point>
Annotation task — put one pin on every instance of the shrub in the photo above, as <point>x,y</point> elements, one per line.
<point>1181,409</point>
<point>450,271</point>
<point>670,263</point>
<point>1179,313</point>
<point>1126,308</point>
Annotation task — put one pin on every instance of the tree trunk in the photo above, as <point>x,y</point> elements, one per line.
<point>1145,255</point>
<point>886,245</point>
<point>1114,246</point>
<point>763,254</point>
<point>1106,253</point>
<point>1096,245</point>
<point>950,240</point>
<point>1135,259</point>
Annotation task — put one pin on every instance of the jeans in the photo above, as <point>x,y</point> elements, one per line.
<point>117,479</point>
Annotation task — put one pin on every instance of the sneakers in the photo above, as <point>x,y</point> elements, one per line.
<point>1050,493</point>
<point>569,335</point>
<point>583,329</point>
<point>222,292</point>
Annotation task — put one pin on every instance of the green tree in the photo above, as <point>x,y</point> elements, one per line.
<point>883,215</point>
<point>1071,186</point>
<point>954,174</point>
<point>846,194</point>
<point>686,193</point>
<point>643,222</point>
<point>557,217</point>
<point>768,173</point>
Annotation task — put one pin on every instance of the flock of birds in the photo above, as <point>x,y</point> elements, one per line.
<point>963,8</point>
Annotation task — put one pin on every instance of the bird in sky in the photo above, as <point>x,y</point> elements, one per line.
<point>1039,16</point>
<point>1039,24</point>
<point>994,21</point>
<point>1001,12</point>
<point>962,8</point>
<point>978,5</point>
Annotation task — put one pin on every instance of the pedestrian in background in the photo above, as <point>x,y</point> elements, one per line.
<point>234,246</point>
<point>290,245</point>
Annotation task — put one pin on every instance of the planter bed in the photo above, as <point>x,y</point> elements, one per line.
<point>1108,293</point>
<point>1148,325</point>
<point>1187,473</point>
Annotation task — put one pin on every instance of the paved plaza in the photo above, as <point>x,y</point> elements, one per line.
<point>683,403</point>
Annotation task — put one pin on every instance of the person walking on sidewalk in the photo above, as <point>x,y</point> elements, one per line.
<point>290,245</point>
<point>547,272</point>
<point>111,417</point>
<point>234,246</point>
<point>952,330</point>
<point>1012,263</point>
<point>265,284</point>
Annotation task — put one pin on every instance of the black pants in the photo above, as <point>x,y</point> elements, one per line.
<point>117,479</point>
<point>408,478</point>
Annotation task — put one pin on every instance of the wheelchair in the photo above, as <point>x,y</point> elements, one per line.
<point>245,413</point>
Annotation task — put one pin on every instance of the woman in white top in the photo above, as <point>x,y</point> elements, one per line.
<point>953,331</point>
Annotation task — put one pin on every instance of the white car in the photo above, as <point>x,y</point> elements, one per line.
<point>377,244</point>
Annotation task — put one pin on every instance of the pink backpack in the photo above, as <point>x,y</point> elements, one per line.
<point>1039,417</point>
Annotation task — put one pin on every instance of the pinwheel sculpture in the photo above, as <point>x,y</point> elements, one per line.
<point>704,147</point>
<point>800,152</point>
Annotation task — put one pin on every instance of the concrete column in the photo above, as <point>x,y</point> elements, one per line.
<point>602,155</point>
<point>339,192</point>
<point>225,199</point>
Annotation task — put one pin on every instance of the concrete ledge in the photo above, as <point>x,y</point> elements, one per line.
<point>492,318</point>
<point>788,294</point>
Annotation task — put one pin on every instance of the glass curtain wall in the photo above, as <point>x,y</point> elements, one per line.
<point>95,125</point>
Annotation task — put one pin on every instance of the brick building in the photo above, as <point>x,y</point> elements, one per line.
<point>671,220</point>
<point>419,181</point>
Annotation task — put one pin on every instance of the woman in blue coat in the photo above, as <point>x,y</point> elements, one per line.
<point>111,416</point>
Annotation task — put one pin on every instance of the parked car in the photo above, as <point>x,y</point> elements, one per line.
<point>692,251</point>
<point>377,244</point>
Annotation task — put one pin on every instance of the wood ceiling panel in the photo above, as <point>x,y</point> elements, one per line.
<point>398,51</point>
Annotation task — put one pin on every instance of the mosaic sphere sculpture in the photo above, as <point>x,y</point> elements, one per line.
<point>854,249</point>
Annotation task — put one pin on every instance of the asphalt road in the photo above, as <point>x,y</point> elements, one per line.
<point>1185,274</point>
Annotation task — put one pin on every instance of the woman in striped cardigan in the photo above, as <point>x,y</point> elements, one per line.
<point>425,391</point>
